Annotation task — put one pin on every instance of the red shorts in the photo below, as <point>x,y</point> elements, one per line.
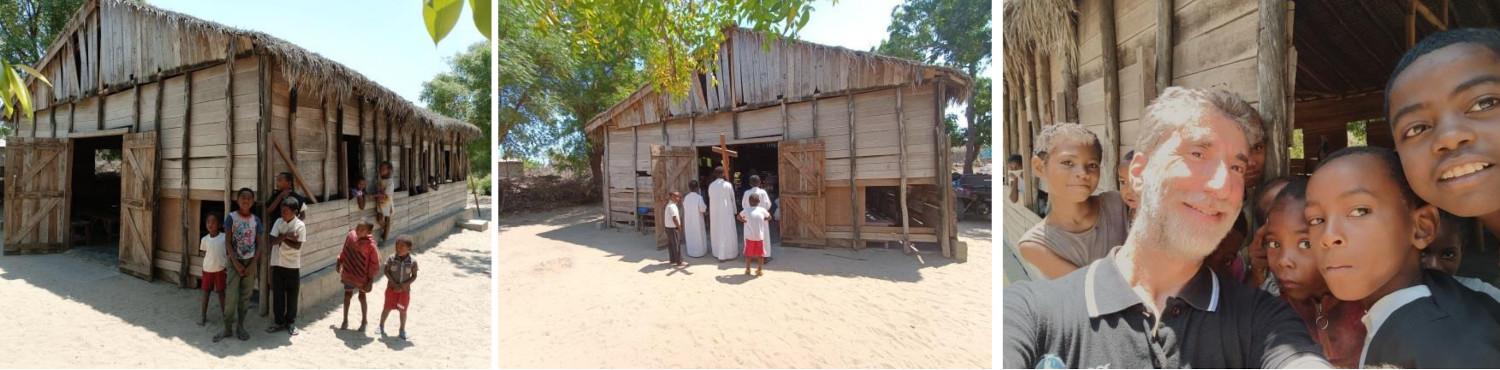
<point>214,281</point>
<point>398,301</point>
<point>755,248</point>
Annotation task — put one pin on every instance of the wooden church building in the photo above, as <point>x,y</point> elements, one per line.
<point>852,139</point>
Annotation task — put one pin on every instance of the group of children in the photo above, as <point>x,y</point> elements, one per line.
<point>758,212</point>
<point>1364,250</point>
<point>230,255</point>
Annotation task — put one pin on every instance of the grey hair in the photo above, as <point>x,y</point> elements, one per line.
<point>1064,133</point>
<point>1180,106</point>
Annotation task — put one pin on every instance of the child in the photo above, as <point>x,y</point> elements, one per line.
<point>214,255</point>
<point>400,272</point>
<point>384,208</point>
<point>243,226</point>
<point>357,266</point>
<point>1081,227</point>
<point>754,218</point>
<point>1013,178</point>
<point>1131,197</point>
<point>1259,274</point>
<point>358,192</point>
<point>1447,250</point>
<point>284,191</point>
<point>673,218</point>
<point>1368,233</point>
<point>756,190</point>
<point>287,234</point>
<point>1334,324</point>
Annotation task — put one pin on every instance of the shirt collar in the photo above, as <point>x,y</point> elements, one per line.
<point>1383,308</point>
<point>1106,292</point>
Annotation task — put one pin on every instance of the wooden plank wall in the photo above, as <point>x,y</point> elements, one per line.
<point>1213,46</point>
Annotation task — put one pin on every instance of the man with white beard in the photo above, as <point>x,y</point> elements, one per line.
<point>1152,303</point>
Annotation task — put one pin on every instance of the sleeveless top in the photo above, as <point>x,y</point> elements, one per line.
<point>1082,248</point>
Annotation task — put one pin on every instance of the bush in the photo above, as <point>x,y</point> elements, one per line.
<point>540,193</point>
<point>480,184</point>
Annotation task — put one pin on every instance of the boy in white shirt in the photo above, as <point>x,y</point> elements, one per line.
<point>672,225</point>
<point>755,218</point>
<point>214,257</point>
<point>287,234</point>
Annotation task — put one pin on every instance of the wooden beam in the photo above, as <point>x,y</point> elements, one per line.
<point>291,139</point>
<point>856,216</point>
<point>229,126</point>
<point>263,166</point>
<point>1164,10</point>
<point>1411,25</point>
<point>1027,177</point>
<point>1111,62</point>
<point>1426,13</point>
<point>135,110</point>
<point>187,134</point>
<point>786,128</point>
<point>1370,17</point>
<point>942,168</point>
<point>72,116</point>
<point>901,142</point>
<point>1314,77</point>
<point>604,169</point>
<point>156,173</point>
<point>1339,72</point>
<point>323,165</point>
<point>1271,72</point>
<point>343,165</point>
<point>1044,83</point>
<point>296,175</point>
<point>635,181</point>
<point>1358,38</point>
<point>1070,78</point>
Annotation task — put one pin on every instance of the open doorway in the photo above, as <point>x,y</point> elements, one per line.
<point>758,159</point>
<point>94,225</point>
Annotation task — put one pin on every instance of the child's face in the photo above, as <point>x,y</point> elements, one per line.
<point>385,171</point>
<point>1132,198</point>
<point>1445,251</point>
<point>212,223</point>
<point>403,249</point>
<point>360,184</point>
<point>1255,164</point>
<point>282,183</point>
<point>245,200</point>
<point>1444,133</point>
<point>1222,258</point>
<point>287,213</point>
<point>1071,170</point>
<point>1365,237</point>
<point>1290,252</point>
<point>362,231</point>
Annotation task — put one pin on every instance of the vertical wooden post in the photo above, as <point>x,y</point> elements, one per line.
<point>343,166</point>
<point>135,109</point>
<point>360,112</point>
<point>387,147</point>
<point>944,167</point>
<point>323,165</point>
<point>1028,178</point>
<point>635,180</point>
<point>814,120</point>
<point>229,126</point>
<point>1111,88</point>
<point>291,137</point>
<point>1070,83</point>
<point>1164,11</point>
<point>1411,24</point>
<point>855,215</point>
<point>72,117</point>
<point>786,128</point>
<point>604,162</point>
<point>1044,86</point>
<point>187,133</point>
<point>901,142</point>
<point>161,88</point>
<point>1271,71</point>
<point>263,162</point>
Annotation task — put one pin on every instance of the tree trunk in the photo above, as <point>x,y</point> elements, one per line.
<point>971,135</point>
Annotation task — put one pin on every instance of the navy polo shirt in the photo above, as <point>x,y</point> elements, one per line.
<point>1091,318</point>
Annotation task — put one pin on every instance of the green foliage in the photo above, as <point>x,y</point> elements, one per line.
<point>673,38</point>
<point>479,185</point>
<point>953,33</point>
<point>27,28</point>
<point>1357,133</point>
<point>464,94</point>
<point>534,67</point>
<point>441,16</point>
<point>1297,150</point>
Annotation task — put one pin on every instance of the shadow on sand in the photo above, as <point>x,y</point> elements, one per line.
<point>577,226</point>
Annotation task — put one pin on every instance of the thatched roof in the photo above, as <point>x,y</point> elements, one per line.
<point>1032,26</point>
<point>307,70</point>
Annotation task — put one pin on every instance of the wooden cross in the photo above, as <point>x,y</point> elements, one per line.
<point>725,153</point>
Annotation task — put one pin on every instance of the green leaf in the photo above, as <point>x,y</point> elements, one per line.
<point>23,95</point>
<point>440,16</point>
<point>6,92</point>
<point>34,73</point>
<point>481,9</point>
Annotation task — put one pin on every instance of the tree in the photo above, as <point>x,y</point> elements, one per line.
<point>27,28</point>
<point>673,38</point>
<point>954,33</point>
<point>464,94</point>
<point>534,66</point>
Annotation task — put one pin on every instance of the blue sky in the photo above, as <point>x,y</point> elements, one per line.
<point>384,40</point>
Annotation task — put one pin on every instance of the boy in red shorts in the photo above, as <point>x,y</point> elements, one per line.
<point>214,275</point>
<point>755,218</point>
<point>400,272</point>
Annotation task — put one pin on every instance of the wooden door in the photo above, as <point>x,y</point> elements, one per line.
<point>800,182</point>
<point>36,203</point>
<point>137,200</point>
<point>671,169</point>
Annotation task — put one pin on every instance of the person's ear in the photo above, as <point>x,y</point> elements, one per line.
<point>1426,223</point>
<point>1137,172</point>
<point>1037,163</point>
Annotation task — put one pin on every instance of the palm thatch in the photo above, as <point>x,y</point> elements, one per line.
<point>1033,26</point>
<point>308,71</point>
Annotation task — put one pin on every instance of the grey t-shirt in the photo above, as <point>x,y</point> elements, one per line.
<point>1082,248</point>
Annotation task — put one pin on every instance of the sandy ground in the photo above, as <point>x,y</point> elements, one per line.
<point>574,296</point>
<point>66,311</point>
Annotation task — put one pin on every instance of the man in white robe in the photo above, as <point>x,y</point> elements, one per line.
<point>693,208</point>
<point>722,233</point>
<point>765,202</point>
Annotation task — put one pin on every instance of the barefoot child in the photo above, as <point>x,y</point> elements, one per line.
<point>243,226</point>
<point>1081,227</point>
<point>1368,230</point>
<point>357,266</point>
<point>1334,324</point>
<point>383,205</point>
<point>214,255</point>
<point>287,235</point>
<point>400,272</point>
<point>755,218</point>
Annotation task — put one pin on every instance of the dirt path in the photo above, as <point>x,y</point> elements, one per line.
<point>574,296</point>
<point>65,311</point>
